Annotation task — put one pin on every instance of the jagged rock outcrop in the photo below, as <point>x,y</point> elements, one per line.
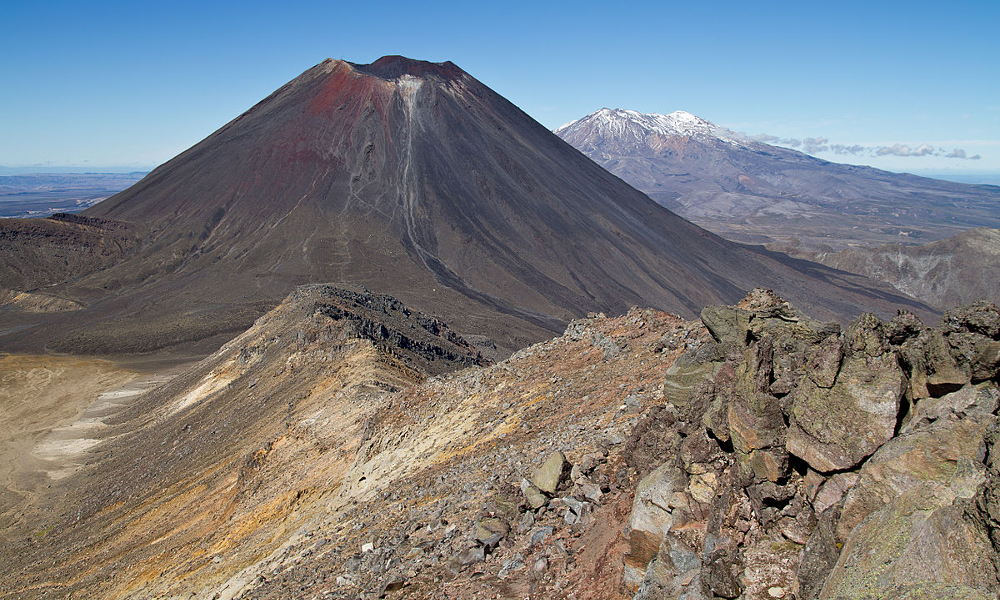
<point>835,427</point>
<point>869,474</point>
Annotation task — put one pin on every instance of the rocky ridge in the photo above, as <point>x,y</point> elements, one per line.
<point>944,274</point>
<point>756,453</point>
<point>827,464</point>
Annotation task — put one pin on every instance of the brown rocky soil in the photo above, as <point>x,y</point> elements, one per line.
<point>349,447</point>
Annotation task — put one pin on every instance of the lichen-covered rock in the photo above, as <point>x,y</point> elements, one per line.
<point>836,428</point>
<point>489,527</point>
<point>833,490</point>
<point>756,423</point>
<point>981,399</point>
<point>728,325</point>
<point>933,369</point>
<point>532,495</point>
<point>904,325</point>
<point>912,547</point>
<point>675,573</point>
<point>770,563</point>
<point>819,555</point>
<point>986,508</point>
<point>680,381</point>
<point>872,513</point>
<point>985,363</point>
<point>982,317</point>
<point>755,419</point>
<point>941,463</point>
<point>824,362</point>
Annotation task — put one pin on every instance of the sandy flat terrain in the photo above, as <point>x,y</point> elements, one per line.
<point>51,412</point>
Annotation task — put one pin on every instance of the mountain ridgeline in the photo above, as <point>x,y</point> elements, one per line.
<point>749,191</point>
<point>414,179</point>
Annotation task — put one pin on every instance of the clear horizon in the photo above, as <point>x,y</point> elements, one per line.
<point>900,87</point>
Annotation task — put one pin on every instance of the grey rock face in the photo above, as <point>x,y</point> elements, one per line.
<point>923,539</point>
<point>872,474</point>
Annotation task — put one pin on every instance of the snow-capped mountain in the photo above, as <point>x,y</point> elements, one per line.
<point>754,192</point>
<point>632,129</point>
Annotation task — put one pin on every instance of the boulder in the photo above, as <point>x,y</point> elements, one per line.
<point>651,518</point>
<point>675,573</point>
<point>489,527</point>
<point>823,361</point>
<point>680,381</point>
<point>756,423</point>
<point>940,464</point>
<point>904,326</point>
<point>720,393</point>
<point>471,556</point>
<point>982,317</point>
<point>833,491</point>
<point>771,564</point>
<point>534,496</point>
<point>981,399</point>
<point>548,476</point>
<point>836,428</point>
<point>985,363</point>
<point>944,373</point>
<point>913,548</point>
<point>727,325</point>
<point>819,556</point>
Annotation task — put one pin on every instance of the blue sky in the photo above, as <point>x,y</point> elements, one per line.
<point>133,83</point>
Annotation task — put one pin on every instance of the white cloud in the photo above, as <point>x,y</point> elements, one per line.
<point>959,153</point>
<point>904,150</point>
<point>816,145</point>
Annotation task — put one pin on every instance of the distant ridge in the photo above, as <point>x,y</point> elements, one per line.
<point>750,191</point>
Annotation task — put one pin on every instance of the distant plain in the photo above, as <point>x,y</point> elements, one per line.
<point>42,194</point>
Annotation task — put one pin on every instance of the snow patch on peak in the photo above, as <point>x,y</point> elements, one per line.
<point>623,124</point>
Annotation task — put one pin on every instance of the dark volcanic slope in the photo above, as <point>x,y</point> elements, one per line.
<point>39,252</point>
<point>413,179</point>
<point>750,191</point>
